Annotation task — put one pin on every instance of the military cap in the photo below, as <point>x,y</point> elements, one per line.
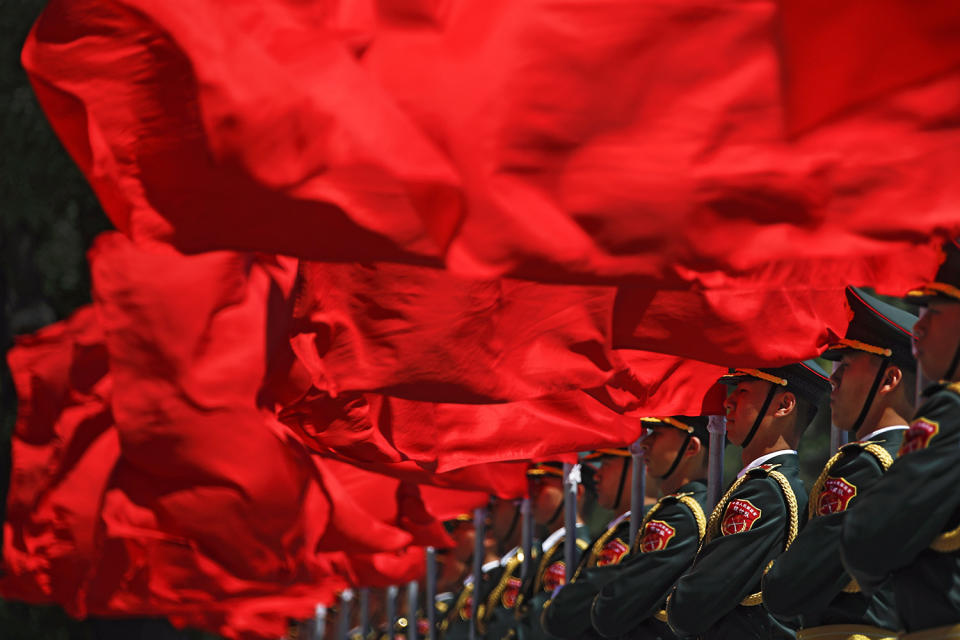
<point>693,425</point>
<point>540,469</point>
<point>946,284</point>
<point>806,379</point>
<point>617,452</point>
<point>878,328</point>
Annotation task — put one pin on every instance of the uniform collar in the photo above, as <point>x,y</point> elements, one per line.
<point>553,538</point>
<point>694,486</point>
<point>764,459</point>
<point>874,434</point>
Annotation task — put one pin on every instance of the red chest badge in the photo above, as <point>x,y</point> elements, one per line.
<point>554,576</point>
<point>423,626</point>
<point>466,612</point>
<point>918,436</point>
<point>837,494</point>
<point>612,552</point>
<point>510,593</point>
<point>739,517</point>
<point>656,536</point>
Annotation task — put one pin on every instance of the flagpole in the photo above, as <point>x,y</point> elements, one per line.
<point>638,487</point>
<point>717,426</point>
<point>413,596</point>
<point>571,479</point>
<point>365,611</point>
<point>527,537</point>
<point>392,593</point>
<point>343,616</point>
<point>479,528</point>
<point>430,598</point>
<point>319,622</point>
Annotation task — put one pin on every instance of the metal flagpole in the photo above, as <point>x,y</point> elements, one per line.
<point>413,596</point>
<point>526,533</point>
<point>479,527</point>
<point>343,616</point>
<point>717,426</point>
<point>638,487</point>
<point>393,591</point>
<point>365,611</point>
<point>431,596</point>
<point>319,622</point>
<point>571,480</point>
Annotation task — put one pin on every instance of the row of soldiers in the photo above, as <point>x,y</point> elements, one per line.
<point>870,552</point>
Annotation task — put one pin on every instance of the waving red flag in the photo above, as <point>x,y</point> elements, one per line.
<point>556,141</point>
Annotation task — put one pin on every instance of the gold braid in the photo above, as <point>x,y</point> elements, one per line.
<point>508,571</point>
<point>793,519</point>
<point>947,542</point>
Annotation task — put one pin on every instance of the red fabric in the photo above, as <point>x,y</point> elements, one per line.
<point>446,504</point>
<point>425,334</point>
<point>385,569</point>
<point>839,54</point>
<point>570,141</point>
<point>781,313</point>
<point>63,451</point>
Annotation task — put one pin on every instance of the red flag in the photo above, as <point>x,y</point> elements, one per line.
<point>569,142</point>
<point>840,54</point>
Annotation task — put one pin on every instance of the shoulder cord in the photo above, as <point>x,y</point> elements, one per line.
<point>508,572</point>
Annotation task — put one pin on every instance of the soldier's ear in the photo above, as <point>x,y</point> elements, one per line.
<point>786,404</point>
<point>891,378</point>
<point>693,448</point>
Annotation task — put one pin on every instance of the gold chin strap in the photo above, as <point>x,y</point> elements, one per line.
<point>847,343</point>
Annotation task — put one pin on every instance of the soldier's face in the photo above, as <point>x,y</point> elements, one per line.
<point>464,536</point>
<point>743,405</point>
<point>851,381</point>
<point>661,448</point>
<point>937,334</point>
<point>547,496</point>
<point>502,517</point>
<point>607,478</point>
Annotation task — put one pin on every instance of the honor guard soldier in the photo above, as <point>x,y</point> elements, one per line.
<point>631,603</point>
<point>873,388</point>
<point>456,625</point>
<point>759,516</point>
<point>497,619</point>
<point>906,525</point>
<point>567,614</point>
<point>547,497</point>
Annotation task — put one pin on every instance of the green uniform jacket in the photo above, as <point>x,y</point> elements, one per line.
<point>567,614</point>
<point>668,542</point>
<point>809,581</point>
<point>719,596</point>
<point>905,525</point>
<point>456,626</point>
<point>498,620</point>
<point>550,574</point>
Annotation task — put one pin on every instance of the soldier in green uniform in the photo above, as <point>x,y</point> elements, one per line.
<point>873,390</point>
<point>567,614</point>
<point>547,503</point>
<point>631,603</point>
<point>906,524</point>
<point>759,516</point>
<point>497,619</point>
<point>456,624</point>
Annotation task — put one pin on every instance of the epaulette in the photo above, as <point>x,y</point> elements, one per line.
<point>686,500</point>
<point>793,516</point>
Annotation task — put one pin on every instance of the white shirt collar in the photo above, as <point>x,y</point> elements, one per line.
<point>762,459</point>
<point>553,538</point>
<point>616,521</point>
<point>505,560</point>
<point>874,434</point>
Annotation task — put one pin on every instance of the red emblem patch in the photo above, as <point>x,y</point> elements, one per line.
<point>837,494</point>
<point>656,536</point>
<point>466,612</point>
<point>739,517</point>
<point>554,576</point>
<point>423,626</point>
<point>612,552</point>
<point>918,436</point>
<point>510,593</point>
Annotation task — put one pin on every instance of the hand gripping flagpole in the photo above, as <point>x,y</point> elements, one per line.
<point>413,596</point>
<point>638,485</point>
<point>343,616</point>
<point>431,596</point>
<point>571,480</point>
<point>479,528</point>
<point>717,426</point>
<point>393,591</point>
<point>365,611</point>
